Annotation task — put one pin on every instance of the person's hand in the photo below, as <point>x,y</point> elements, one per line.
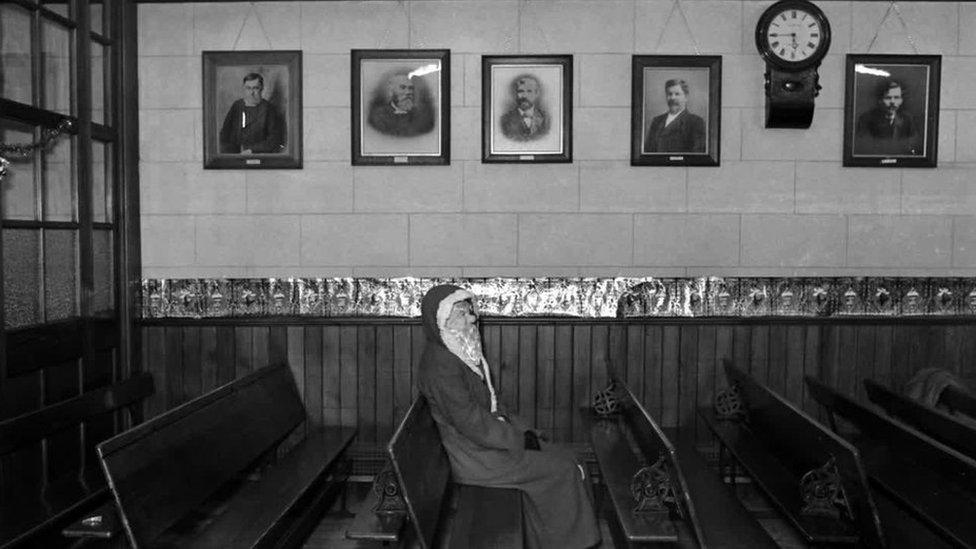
<point>246,151</point>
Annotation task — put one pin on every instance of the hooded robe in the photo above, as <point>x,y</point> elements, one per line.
<point>486,444</point>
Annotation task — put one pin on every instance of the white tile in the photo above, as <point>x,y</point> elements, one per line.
<point>399,272</point>
<point>457,80</point>
<point>529,271</point>
<point>964,246</point>
<point>463,239</point>
<point>731,135</point>
<point>298,271</point>
<point>943,191</point>
<point>967,20</point>
<point>958,75</point>
<point>167,240</point>
<point>619,187</point>
<point>794,240</point>
<point>411,189</point>
<point>356,240</point>
<point>965,142</point>
<point>243,27</point>
<point>465,133</point>
<point>157,79</point>
<point>635,272</point>
<point>899,241</point>
<point>183,188</point>
<point>247,240</point>
<point>686,240</point>
<point>573,26</point>
<point>601,133</point>
<point>827,187</point>
<point>931,25</point>
<point>326,80</point>
<point>337,27</point>
<point>604,80</point>
<point>327,134</point>
<point>708,27</point>
<point>520,188</point>
<point>162,135</point>
<point>575,239</point>
<point>466,27</point>
<point>947,137</point>
<point>319,187</point>
<point>832,82</point>
<point>742,80</point>
<point>746,187</point>
<point>195,271</point>
<point>822,141</point>
<point>165,29</point>
<point>472,79</point>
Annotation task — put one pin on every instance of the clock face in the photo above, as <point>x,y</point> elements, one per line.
<point>794,35</point>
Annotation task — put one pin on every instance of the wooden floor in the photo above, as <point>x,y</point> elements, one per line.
<point>331,532</point>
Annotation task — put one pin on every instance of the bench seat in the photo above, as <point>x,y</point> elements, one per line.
<point>485,517</point>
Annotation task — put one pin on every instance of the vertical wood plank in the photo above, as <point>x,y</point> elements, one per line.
<point>776,376</point>
<point>812,364</point>
<point>260,340</point>
<point>900,356</point>
<point>882,355</point>
<point>384,383</point>
<point>581,369</point>
<point>226,354</point>
<point>741,349</point>
<point>192,379</point>
<point>847,360</point>
<point>670,376</point>
<point>545,369</point>
<point>366,363</point>
<point>563,383</point>
<point>636,367</point>
<point>527,369</point>
<point>864,359</point>
<point>311,373</point>
<point>688,376</point>
<point>830,351</point>
<point>649,343</point>
<point>600,352</point>
<point>331,378</point>
<point>417,345</point>
<point>296,360</point>
<point>491,348</point>
<point>705,379</point>
<point>245,355</point>
<point>795,348</point>
<point>402,352</point>
<point>348,382</point>
<point>953,349</point>
<point>155,351</point>
<point>277,344</point>
<point>174,367</point>
<point>617,355</point>
<point>209,362</point>
<point>508,367</point>
<point>759,353</point>
<point>967,350</point>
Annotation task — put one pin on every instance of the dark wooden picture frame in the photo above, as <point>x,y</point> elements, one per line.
<point>891,110</point>
<point>526,108</point>
<point>690,137</point>
<point>401,107</point>
<point>239,135</point>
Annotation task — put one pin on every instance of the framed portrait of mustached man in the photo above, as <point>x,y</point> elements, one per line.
<point>252,109</point>
<point>527,108</point>
<point>401,107</point>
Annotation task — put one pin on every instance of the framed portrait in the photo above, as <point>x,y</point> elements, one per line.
<point>252,109</point>
<point>891,110</point>
<point>401,107</point>
<point>527,108</point>
<point>676,110</point>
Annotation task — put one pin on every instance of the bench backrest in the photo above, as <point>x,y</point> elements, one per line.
<point>422,468</point>
<point>164,468</point>
<point>908,442</point>
<point>934,423</point>
<point>805,444</point>
<point>959,402</point>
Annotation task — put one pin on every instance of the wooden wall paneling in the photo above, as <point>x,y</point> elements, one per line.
<point>725,345</point>
<point>544,383</point>
<point>154,351</point>
<point>174,367</point>
<point>741,349</point>
<point>582,366</point>
<point>705,378</point>
<point>491,347</point>
<point>688,376</point>
<point>277,344</point>
<point>882,355</point>
<point>933,347</point>
<point>209,365</point>
<point>953,348</point>
<point>311,373</point>
<point>635,367</point>
<point>669,375</point>
<point>295,355</point>
<point>562,394</point>
<point>244,355</point>
<point>260,342</point>
<point>384,384</point>
<point>366,374</point>
<point>348,382</point>
<point>226,355</point>
<point>648,353</point>
<point>402,376</point>
<point>867,335</point>
<point>418,341</point>
<point>846,376</point>
<point>967,354</point>
<point>759,352</point>
<point>192,364</point>
<point>811,366</point>
<point>776,374</point>
<point>508,366</point>
<point>830,349</point>
<point>795,346</point>
<point>600,359</point>
<point>527,372</point>
<point>63,449</point>
<point>331,379</point>
<point>900,356</point>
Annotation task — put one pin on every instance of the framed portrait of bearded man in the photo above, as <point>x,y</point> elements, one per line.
<point>252,109</point>
<point>401,107</point>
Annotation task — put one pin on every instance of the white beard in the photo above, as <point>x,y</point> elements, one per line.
<point>465,343</point>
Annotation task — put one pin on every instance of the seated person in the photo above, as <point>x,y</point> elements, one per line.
<point>486,445</point>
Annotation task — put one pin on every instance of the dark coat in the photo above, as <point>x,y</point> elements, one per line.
<point>418,121</point>
<point>264,132</point>
<point>487,451</point>
<point>875,135</point>
<point>685,134</point>
<point>513,127</point>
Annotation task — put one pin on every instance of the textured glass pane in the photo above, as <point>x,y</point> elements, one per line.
<point>101,182</point>
<point>59,7</point>
<point>103,298</point>
<point>21,277</point>
<point>98,60</point>
<point>15,41</point>
<point>19,193</point>
<point>95,11</point>
<point>56,66</point>
<point>60,274</point>
<point>58,180</point>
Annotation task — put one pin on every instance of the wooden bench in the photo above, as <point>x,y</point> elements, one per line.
<point>812,476</point>
<point>935,423</point>
<point>213,472</point>
<point>36,516</point>
<point>661,492</point>
<point>439,513</point>
<point>924,478</point>
<point>959,402</point>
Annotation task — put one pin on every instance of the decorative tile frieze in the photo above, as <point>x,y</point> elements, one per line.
<point>572,297</point>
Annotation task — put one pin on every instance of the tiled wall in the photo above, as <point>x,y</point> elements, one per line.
<point>779,204</point>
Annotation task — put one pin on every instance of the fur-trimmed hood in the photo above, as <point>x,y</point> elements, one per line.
<point>436,307</point>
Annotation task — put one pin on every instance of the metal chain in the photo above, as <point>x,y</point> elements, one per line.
<point>893,6</point>
<point>25,150</point>
<point>676,6</point>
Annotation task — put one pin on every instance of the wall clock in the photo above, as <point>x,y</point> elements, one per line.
<point>793,37</point>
